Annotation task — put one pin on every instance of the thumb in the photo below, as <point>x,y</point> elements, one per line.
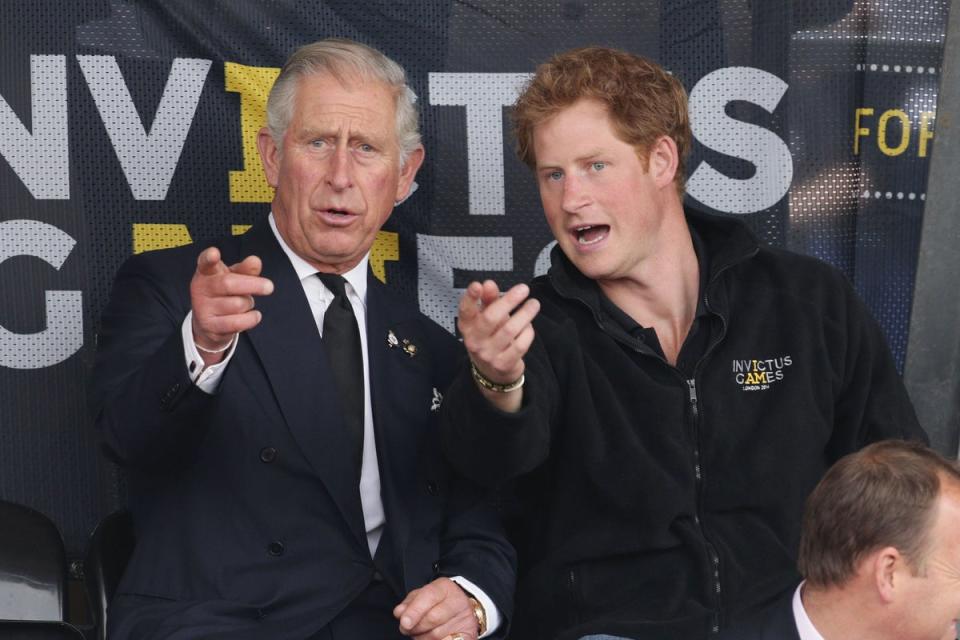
<point>250,266</point>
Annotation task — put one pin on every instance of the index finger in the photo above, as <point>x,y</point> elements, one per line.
<point>470,301</point>
<point>209,262</point>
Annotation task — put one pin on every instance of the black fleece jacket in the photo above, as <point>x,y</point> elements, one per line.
<point>651,504</point>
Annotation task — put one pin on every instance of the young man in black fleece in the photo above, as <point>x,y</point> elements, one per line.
<point>662,401</point>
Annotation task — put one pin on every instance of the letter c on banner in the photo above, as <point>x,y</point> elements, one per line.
<point>64,309</point>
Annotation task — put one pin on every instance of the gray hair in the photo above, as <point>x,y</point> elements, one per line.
<point>345,60</point>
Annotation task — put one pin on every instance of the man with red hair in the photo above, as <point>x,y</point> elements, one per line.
<point>663,400</point>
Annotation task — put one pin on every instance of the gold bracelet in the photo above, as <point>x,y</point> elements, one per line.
<point>480,614</point>
<point>219,350</point>
<point>490,385</point>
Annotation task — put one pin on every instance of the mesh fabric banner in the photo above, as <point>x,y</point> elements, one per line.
<point>130,125</point>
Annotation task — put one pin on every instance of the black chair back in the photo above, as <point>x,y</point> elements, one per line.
<point>17,630</point>
<point>33,568</point>
<point>111,544</point>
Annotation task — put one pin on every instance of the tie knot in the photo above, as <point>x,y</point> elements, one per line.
<point>334,283</point>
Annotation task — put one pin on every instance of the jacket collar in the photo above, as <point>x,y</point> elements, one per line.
<point>356,277</point>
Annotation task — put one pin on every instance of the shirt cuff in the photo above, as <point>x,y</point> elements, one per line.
<point>493,614</point>
<point>206,379</point>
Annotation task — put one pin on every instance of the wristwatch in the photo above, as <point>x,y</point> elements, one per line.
<point>479,614</point>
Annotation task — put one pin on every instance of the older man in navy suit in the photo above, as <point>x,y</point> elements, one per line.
<point>274,405</point>
<point>879,551</point>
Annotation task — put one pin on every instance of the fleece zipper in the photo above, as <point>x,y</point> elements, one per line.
<point>693,411</point>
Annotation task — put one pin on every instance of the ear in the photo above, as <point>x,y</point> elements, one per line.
<point>663,159</point>
<point>887,566</point>
<point>269,156</point>
<point>409,171</point>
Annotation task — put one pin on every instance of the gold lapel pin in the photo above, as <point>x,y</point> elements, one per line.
<point>409,348</point>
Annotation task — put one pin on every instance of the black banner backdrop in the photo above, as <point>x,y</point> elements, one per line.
<point>128,125</point>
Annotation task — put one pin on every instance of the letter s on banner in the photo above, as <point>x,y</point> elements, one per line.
<point>716,130</point>
<point>64,309</point>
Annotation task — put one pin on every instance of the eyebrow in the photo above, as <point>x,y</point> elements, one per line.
<point>594,153</point>
<point>354,136</point>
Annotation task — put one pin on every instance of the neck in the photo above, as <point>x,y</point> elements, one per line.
<point>841,613</point>
<point>663,289</point>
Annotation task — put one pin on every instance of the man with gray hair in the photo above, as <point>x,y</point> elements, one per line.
<point>879,552</point>
<point>274,405</point>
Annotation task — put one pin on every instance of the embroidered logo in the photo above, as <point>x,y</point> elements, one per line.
<point>437,400</point>
<point>760,374</point>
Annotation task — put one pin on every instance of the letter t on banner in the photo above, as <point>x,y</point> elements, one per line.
<point>484,95</point>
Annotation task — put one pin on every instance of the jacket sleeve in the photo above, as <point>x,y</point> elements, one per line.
<point>491,446</point>
<point>872,403</point>
<point>146,409</point>
<point>474,545</point>
<point>471,539</point>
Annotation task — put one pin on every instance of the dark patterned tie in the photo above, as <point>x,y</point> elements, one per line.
<point>341,341</point>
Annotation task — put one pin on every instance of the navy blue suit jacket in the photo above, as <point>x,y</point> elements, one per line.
<point>245,503</point>
<point>774,623</point>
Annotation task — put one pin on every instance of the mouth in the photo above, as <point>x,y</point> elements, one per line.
<point>337,216</point>
<point>591,234</point>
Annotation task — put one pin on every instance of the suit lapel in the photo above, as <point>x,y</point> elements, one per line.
<point>783,624</point>
<point>289,348</point>
<point>395,396</point>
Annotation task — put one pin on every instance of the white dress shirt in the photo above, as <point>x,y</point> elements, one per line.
<point>804,625</point>
<point>319,298</point>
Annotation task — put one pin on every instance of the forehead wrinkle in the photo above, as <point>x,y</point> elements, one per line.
<point>341,119</point>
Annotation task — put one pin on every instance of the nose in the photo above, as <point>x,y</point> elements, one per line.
<point>574,193</point>
<point>340,176</point>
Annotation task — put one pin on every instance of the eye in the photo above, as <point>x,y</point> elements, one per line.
<point>555,176</point>
<point>317,144</point>
<point>365,148</point>
<point>598,165</point>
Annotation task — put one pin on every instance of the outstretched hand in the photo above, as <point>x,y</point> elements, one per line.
<point>497,332</point>
<point>222,299</point>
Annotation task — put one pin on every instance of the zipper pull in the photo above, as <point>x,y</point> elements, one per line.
<point>692,388</point>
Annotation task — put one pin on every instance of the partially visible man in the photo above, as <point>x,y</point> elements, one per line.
<point>671,391</point>
<point>879,551</point>
<point>284,470</point>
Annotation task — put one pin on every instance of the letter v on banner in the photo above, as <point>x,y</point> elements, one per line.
<point>149,159</point>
